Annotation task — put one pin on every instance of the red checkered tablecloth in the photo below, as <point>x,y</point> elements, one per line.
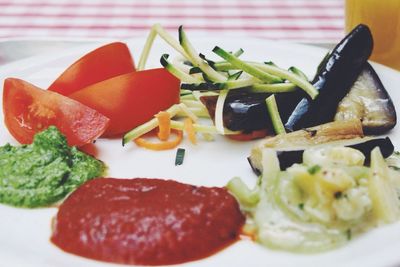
<point>295,20</point>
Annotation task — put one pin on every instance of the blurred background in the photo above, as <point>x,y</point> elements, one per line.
<point>30,27</point>
<point>294,20</point>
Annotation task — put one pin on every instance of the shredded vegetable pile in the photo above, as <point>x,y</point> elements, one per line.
<point>201,76</point>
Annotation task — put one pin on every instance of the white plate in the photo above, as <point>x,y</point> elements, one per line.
<point>24,233</point>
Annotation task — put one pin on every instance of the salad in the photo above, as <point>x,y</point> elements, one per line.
<point>321,176</point>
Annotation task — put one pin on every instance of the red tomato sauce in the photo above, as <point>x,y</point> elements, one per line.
<point>146,221</point>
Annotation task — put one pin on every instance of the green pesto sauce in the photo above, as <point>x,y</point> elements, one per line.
<point>44,172</point>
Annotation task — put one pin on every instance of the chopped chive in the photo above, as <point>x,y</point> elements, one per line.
<point>314,169</point>
<point>180,155</point>
<point>301,206</point>
<point>348,234</point>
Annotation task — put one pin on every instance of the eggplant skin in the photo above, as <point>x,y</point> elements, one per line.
<point>335,76</point>
<point>368,101</point>
<point>247,112</point>
<point>289,157</point>
<point>290,146</point>
<point>385,145</point>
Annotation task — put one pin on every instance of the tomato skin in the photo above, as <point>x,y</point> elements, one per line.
<point>100,64</point>
<point>28,109</point>
<point>253,135</point>
<point>131,99</point>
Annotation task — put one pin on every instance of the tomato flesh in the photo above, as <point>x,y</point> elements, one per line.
<point>28,109</point>
<point>131,99</point>
<point>100,64</point>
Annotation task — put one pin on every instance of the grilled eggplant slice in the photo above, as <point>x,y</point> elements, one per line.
<point>290,147</point>
<point>335,76</point>
<point>368,101</point>
<point>365,145</point>
<point>247,112</point>
<point>308,137</point>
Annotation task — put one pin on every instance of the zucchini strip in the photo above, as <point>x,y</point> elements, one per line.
<point>203,86</point>
<point>188,112</point>
<point>185,92</point>
<point>157,29</point>
<point>294,75</point>
<point>274,115</point>
<point>235,76</point>
<point>219,111</point>
<point>187,97</point>
<point>239,52</point>
<point>196,60</point>
<point>199,112</point>
<point>246,196</point>
<point>236,84</point>
<point>184,77</point>
<point>291,77</point>
<point>148,126</point>
<point>298,73</point>
<point>228,85</point>
<point>273,88</point>
<point>252,70</point>
<point>224,66</point>
<point>195,70</point>
<point>192,103</point>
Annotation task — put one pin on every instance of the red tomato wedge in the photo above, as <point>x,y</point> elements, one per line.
<point>131,99</point>
<point>28,109</point>
<point>100,64</point>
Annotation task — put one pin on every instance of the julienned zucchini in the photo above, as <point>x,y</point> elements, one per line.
<point>298,72</point>
<point>269,73</point>
<point>195,70</point>
<point>273,88</point>
<point>181,75</point>
<point>263,76</point>
<point>274,115</point>
<point>235,76</point>
<point>196,60</point>
<point>228,85</point>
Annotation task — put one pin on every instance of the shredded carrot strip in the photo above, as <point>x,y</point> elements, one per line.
<point>189,129</point>
<point>163,145</point>
<point>164,125</point>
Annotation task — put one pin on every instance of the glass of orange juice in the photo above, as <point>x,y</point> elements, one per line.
<point>383,18</point>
